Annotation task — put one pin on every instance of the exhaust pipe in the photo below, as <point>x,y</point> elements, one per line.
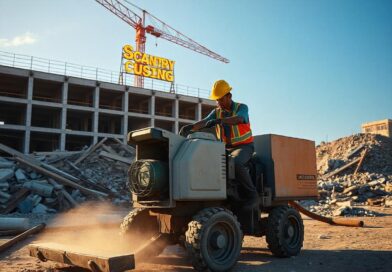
<point>329,220</point>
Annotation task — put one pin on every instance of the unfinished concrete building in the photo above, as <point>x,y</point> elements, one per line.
<point>382,127</point>
<point>43,111</point>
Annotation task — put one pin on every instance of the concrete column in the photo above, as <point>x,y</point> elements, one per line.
<point>64,101</point>
<point>125,115</point>
<point>30,86</point>
<point>96,114</point>
<point>199,112</point>
<point>176,115</point>
<point>152,109</point>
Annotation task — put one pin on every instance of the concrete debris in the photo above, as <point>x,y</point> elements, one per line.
<point>354,172</point>
<point>7,223</point>
<point>6,164</point>
<point>41,208</point>
<point>49,182</point>
<point>20,176</point>
<point>4,197</point>
<point>40,188</point>
<point>324,236</point>
<point>6,174</point>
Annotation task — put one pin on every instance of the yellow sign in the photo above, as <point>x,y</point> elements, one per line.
<point>142,64</point>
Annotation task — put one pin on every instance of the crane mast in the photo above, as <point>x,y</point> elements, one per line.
<point>159,29</point>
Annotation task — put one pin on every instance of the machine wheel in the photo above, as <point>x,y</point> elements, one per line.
<point>139,226</point>
<point>285,231</point>
<point>214,240</point>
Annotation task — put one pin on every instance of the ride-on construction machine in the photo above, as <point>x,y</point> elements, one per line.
<point>184,191</point>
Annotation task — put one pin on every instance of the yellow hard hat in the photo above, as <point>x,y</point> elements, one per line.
<point>220,89</point>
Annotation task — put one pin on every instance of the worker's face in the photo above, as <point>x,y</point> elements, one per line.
<point>224,102</point>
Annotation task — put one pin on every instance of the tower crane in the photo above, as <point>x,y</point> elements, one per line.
<point>136,18</point>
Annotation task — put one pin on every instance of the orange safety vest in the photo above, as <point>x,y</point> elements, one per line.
<point>240,133</point>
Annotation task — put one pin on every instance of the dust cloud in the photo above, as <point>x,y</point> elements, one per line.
<point>92,228</point>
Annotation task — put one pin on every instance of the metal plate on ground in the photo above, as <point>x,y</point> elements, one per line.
<point>54,252</point>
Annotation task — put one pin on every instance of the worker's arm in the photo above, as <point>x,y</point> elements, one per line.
<point>233,120</point>
<point>202,123</point>
<point>185,130</point>
<point>242,117</point>
<point>199,125</point>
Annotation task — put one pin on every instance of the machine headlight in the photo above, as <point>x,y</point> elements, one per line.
<point>148,177</point>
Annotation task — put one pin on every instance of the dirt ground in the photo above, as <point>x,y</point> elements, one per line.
<point>326,248</point>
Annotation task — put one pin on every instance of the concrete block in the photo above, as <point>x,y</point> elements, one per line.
<point>6,164</point>
<point>4,197</point>
<point>26,205</point>
<point>347,203</point>
<point>6,174</point>
<point>4,186</point>
<point>36,199</point>
<point>33,175</point>
<point>42,189</point>
<point>20,176</point>
<point>10,223</point>
<point>40,208</point>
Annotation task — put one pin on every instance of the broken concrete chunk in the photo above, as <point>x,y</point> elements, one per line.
<point>4,197</point>
<point>42,189</point>
<point>334,164</point>
<point>4,186</point>
<point>340,211</point>
<point>6,164</point>
<point>50,201</point>
<point>41,181</point>
<point>324,236</point>
<point>26,205</point>
<point>347,203</point>
<point>20,176</point>
<point>10,223</point>
<point>6,174</point>
<point>33,175</point>
<point>36,199</point>
<point>40,208</point>
<point>376,182</point>
<point>77,196</point>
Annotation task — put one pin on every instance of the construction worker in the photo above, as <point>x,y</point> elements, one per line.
<point>231,121</point>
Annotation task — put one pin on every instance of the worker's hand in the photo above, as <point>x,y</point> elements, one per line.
<point>213,122</point>
<point>185,130</point>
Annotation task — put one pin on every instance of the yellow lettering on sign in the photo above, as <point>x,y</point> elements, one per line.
<point>137,56</point>
<point>169,76</point>
<point>142,64</point>
<point>138,69</point>
<point>128,67</point>
<point>146,71</point>
<point>127,52</point>
<point>164,63</point>
<point>171,66</point>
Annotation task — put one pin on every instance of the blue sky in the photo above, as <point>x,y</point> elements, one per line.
<point>311,69</point>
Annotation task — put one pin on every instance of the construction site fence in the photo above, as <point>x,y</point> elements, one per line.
<point>93,73</point>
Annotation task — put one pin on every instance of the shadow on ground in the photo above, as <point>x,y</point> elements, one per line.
<point>174,258</point>
<point>258,259</point>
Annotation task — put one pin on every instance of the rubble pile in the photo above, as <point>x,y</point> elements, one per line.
<point>49,182</point>
<point>353,171</point>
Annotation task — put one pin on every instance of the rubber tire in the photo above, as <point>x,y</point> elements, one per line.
<point>278,221</point>
<point>139,225</point>
<point>197,235</point>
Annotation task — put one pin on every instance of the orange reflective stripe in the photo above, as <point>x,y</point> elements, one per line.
<point>240,133</point>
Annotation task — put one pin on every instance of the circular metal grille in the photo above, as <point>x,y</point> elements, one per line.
<point>147,177</point>
<point>141,177</point>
